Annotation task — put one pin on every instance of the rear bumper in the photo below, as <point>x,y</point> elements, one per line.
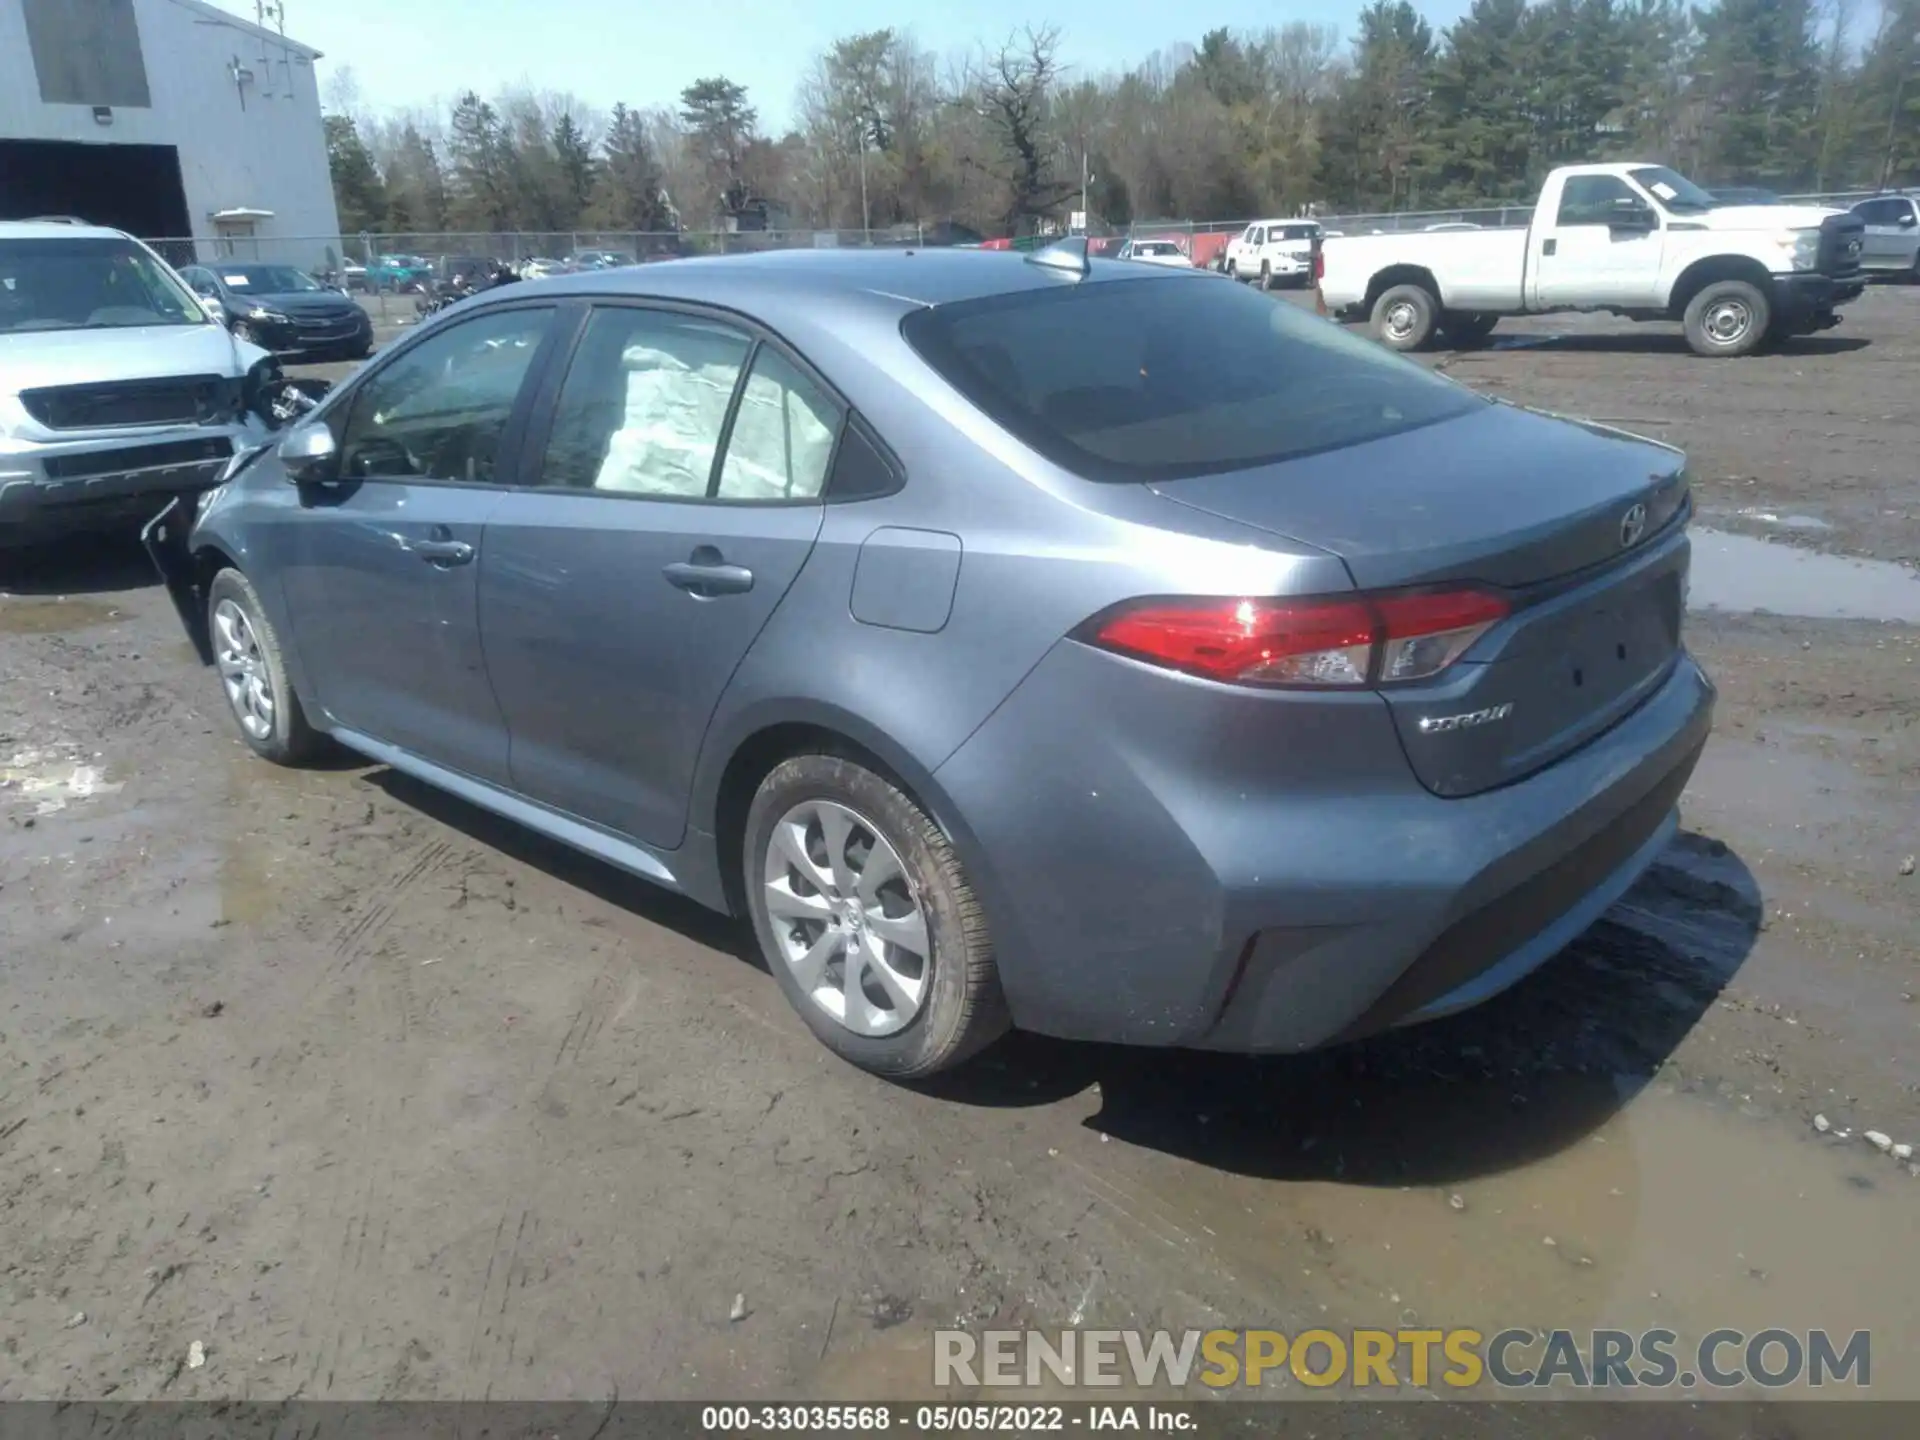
<point>62,486</point>
<point>1150,887</point>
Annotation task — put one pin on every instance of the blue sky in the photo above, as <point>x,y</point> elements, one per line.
<point>410,52</point>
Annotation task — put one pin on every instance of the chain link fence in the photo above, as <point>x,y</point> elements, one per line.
<point>387,273</point>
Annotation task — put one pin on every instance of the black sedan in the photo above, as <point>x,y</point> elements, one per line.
<point>285,310</point>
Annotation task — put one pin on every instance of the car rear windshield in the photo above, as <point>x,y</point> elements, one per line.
<point>1158,379</point>
<point>88,283</point>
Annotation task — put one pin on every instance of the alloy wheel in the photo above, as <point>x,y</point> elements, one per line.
<point>847,918</point>
<point>243,670</point>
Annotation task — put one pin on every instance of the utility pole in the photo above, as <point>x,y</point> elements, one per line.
<point>1893,118</point>
<point>866,211</point>
<point>1086,218</point>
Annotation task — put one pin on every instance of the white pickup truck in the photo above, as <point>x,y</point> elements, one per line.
<point>1636,240</point>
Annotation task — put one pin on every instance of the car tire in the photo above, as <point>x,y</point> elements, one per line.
<point>812,818</point>
<point>1468,330</point>
<point>1232,271</point>
<point>252,666</point>
<point>1266,275</point>
<point>1728,318</point>
<point>1405,317</point>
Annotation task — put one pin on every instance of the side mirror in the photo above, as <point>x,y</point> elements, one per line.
<point>1906,221</point>
<point>308,454</point>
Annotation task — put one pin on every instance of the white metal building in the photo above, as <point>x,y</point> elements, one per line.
<point>167,118</point>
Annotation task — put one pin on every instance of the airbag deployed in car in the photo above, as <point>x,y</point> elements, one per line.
<point>674,413</point>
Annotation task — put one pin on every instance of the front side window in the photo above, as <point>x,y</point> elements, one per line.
<point>1589,199</point>
<point>438,412</point>
<point>89,283</point>
<point>1156,378</point>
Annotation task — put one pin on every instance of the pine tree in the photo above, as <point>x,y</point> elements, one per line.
<point>574,160</point>
<point>481,192</point>
<point>627,192</point>
<point>359,194</point>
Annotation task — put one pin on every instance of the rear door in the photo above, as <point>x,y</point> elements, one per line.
<point>1585,259</point>
<point>380,565</point>
<point>679,469</point>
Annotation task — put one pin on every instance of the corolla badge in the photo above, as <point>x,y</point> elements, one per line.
<point>1465,720</point>
<point>1633,525</point>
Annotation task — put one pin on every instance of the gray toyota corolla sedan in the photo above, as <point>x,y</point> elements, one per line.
<point>1100,649</point>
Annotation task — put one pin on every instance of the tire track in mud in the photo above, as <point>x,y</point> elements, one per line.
<point>493,1342</point>
<point>360,1206</point>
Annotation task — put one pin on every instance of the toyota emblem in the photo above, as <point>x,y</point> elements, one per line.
<point>1633,525</point>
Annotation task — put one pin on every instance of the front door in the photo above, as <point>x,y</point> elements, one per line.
<point>1890,238</point>
<point>679,495</point>
<point>381,567</point>
<point>1587,259</point>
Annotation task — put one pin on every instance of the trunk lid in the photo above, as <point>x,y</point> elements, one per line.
<point>1579,526</point>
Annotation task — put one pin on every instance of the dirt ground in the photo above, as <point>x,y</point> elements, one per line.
<point>371,1095</point>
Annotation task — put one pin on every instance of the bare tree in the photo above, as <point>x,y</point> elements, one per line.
<point>1014,88</point>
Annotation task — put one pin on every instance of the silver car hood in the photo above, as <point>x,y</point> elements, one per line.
<point>34,358</point>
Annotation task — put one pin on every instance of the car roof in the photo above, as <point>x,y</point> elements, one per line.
<point>912,278</point>
<point>57,230</point>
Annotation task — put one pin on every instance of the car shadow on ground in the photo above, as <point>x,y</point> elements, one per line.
<point>91,564</point>
<point>1615,343</point>
<point>597,878</point>
<point>1520,1078</point>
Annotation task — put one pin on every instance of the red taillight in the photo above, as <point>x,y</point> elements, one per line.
<point>1351,641</point>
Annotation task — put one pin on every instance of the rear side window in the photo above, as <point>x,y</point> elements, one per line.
<point>783,433</point>
<point>1158,379</point>
<point>645,404</point>
<point>1298,232</point>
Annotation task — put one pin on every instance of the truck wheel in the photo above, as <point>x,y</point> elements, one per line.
<point>1728,318</point>
<point>1266,276</point>
<point>1464,331</point>
<point>1232,271</point>
<point>1404,317</point>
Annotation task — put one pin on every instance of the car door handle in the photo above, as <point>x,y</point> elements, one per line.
<point>708,580</point>
<point>442,552</point>
<point>1547,247</point>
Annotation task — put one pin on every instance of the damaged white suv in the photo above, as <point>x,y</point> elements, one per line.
<point>117,389</point>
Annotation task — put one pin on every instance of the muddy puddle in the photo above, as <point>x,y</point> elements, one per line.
<point>1739,572</point>
<point>1673,1213</point>
<point>51,617</point>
